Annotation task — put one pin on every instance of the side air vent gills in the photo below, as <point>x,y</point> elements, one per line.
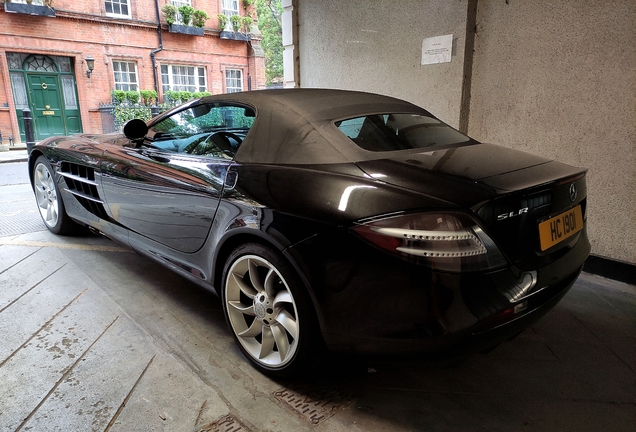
<point>80,181</point>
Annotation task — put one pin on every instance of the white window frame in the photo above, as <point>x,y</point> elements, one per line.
<point>120,2</point>
<point>229,8</point>
<point>125,72</point>
<point>233,88</point>
<point>175,81</point>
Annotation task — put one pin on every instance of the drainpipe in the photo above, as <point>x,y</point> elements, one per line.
<point>153,52</point>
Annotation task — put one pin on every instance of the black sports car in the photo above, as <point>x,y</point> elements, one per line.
<point>349,219</point>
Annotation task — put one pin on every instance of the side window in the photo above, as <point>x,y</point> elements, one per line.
<point>398,131</point>
<point>212,130</point>
<point>351,128</point>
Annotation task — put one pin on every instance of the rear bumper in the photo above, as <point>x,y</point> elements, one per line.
<point>371,303</point>
<point>475,338</point>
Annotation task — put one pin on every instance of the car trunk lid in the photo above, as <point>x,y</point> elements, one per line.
<point>510,191</point>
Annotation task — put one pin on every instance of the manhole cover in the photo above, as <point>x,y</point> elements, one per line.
<point>225,424</point>
<point>19,217</point>
<point>315,403</point>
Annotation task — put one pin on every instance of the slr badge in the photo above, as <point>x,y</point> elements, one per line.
<point>512,214</point>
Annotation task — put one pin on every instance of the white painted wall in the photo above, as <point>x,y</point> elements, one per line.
<point>552,78</point>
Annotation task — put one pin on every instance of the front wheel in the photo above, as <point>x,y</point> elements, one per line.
<point>269,312</point>
<point>48,198</point>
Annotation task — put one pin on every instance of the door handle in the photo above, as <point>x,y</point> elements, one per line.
<point>158,158</point>
<point>153,156</point>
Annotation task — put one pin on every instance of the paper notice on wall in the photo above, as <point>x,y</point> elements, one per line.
<point>437,49</point>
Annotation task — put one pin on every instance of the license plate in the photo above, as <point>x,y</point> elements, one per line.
<point>560,227</point>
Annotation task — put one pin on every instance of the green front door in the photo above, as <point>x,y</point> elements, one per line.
<point>48,114</point>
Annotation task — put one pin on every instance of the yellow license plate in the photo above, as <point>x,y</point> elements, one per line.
<point>560,227</point>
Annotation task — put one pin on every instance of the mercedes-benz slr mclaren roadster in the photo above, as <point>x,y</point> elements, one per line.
<point>324,218</point>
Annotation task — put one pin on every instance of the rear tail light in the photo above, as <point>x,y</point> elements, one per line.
<point>451,242</point>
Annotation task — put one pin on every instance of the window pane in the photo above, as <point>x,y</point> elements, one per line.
<point>391,132</point>
<point>70,101</point>
<point>116,7</point>
<point>233,80</point>
<point>125,74</point>
<point>19,91</point>
<point>182,78</point>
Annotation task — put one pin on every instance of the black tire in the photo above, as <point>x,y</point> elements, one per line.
<point>49,200</point>
<point>269,312</point>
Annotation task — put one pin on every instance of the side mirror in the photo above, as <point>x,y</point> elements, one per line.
<point>135,129</point>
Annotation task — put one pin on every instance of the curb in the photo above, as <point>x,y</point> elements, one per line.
<point>14,160</point>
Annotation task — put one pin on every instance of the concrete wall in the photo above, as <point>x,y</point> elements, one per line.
<point>377,46</point>
<point>558,79</point>
<point>552,78</point>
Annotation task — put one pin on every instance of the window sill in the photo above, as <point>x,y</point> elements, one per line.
<point>29,9</point>
<point>235,36</point>
<point>189,30</point>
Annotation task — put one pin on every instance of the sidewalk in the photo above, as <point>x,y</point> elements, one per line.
<point>17,153</point>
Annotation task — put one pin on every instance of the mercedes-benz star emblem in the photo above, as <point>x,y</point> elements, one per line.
<point>572,192</point>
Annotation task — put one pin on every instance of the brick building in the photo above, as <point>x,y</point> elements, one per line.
<point>44,52</point>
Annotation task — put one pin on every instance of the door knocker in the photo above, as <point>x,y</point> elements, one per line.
<point>44,86</point>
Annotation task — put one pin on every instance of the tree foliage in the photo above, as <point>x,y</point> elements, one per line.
<point>270,14</point>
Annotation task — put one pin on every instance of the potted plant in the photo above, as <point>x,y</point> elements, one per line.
<point>247,24</point>
<point>222,21</point>
<point>199,18</point>
<point>186,14</point>
<point>236,23</point>
<point>170,13</point>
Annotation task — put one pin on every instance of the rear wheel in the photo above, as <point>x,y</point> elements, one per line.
<point>48,198</point>
<point>269,312</point>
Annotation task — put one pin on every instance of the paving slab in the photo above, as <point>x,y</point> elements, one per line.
<point>96,337</point>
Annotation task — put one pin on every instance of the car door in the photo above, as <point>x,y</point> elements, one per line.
<point>168,189</point>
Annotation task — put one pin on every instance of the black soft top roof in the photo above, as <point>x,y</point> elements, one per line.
<point>295,126</point>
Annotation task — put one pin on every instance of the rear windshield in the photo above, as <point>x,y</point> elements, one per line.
<point>390,132</point>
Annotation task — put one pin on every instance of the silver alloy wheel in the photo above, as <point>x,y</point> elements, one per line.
<point>46,195</point>
<point>262,311</point>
